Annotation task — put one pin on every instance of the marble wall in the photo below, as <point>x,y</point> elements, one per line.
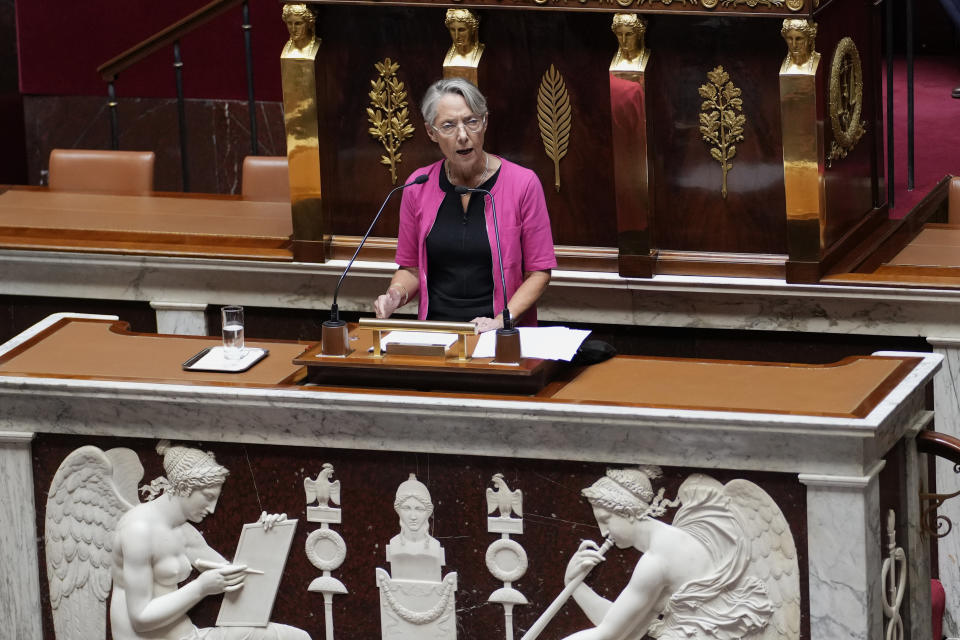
<point>219,135</point>
<point>556,519</point>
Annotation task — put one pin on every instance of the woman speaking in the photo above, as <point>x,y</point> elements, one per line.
<point>446,243</point>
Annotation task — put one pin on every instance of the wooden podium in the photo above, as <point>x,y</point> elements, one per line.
<point>452,371</point>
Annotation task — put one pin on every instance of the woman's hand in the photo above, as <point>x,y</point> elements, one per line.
<point>386,304</point>
<point>221,579</point>
<point>586,558</point>
<point>270,519</point>
<point>488,324</point>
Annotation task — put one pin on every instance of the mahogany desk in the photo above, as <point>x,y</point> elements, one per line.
<point>822,432</point>
<point>205,225</point>
<point>101,349</point>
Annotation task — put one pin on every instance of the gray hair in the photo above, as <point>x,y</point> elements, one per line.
<point>457,86</point>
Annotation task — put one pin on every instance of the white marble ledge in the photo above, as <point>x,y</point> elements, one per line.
<point>44,324</point>
<point>478,426</point>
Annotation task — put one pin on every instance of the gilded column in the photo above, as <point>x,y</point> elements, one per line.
<point>463,57</point>
<point>300,118</point>
<point>803,155</point>
<point>631,166</point>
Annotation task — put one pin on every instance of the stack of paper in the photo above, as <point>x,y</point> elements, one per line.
<point>545,343</point>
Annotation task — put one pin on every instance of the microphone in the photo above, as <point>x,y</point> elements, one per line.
<point>508,338</point>
<point>335,327</point>
<point>507,321</point>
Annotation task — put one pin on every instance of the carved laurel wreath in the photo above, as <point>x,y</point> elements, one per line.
<point>417,617</point>
<point>846,99</point>
<point>554,115</point>
<point>325,563</point>
<point>720,123</point>
<point>388,114</point>
<point>507,574</point>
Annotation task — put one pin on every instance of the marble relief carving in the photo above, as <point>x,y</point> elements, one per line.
<point>726,567</point>
<point>415,603</point>
<point>101,540</point>
<point>506,559</point>
<point>325,548</point>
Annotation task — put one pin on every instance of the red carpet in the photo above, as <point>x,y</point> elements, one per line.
<point>936,127</point>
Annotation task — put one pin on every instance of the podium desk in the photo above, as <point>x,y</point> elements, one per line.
<point>840,438</point>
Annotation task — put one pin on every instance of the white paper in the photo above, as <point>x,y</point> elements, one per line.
<point>214,359</point>
<point>544,343</point>
<point>419,338</point>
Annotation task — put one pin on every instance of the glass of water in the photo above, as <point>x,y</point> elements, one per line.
<point>232,322</point>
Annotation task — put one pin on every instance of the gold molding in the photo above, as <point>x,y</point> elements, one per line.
<point>720,123</point>
<point>793,5</point>
<point>554,116</point>
<point>388,114</point>
<point>846,99</point>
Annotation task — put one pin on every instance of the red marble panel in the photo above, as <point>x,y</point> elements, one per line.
<point>556,519</point>
<point>219,135</point>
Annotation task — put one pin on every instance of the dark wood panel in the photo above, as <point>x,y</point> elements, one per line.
<point>848,181</point>
<point>581,46</point>
<point>690,213</point>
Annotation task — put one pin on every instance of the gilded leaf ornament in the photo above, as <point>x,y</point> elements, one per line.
<point>554,116</point>
<point>388,114</point>
<point>721,124</point>
<point>845,100</point>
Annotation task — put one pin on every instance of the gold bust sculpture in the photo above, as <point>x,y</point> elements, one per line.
<point>464,27</point>
<point>630,30</point>
<point>301,23</point>
<point>800,35</point>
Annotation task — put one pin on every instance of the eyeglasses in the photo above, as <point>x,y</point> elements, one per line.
<point>473,124</point>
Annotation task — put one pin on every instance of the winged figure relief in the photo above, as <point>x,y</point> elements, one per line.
<point>100,541</point>
<point>725,568</point>
<point>89,493</point>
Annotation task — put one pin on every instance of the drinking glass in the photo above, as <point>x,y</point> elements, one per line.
<point>232,322</point>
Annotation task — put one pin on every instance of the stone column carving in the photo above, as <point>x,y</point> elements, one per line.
<point>20,588</point>
<point>947,406</point>
<point>181,318</point>
<point>844,565</point>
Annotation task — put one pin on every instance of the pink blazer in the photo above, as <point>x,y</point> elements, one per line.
<point>525,236</point>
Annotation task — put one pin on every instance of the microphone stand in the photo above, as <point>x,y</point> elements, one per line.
<point>334,331</point>
<point>508,338</point>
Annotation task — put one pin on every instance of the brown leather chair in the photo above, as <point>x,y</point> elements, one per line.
<point>95,170</point>
<point>953,201</point>
<point>265,178</point>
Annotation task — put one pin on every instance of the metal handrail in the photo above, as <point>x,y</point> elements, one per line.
<point>171,35</point>
<point>167,36</point>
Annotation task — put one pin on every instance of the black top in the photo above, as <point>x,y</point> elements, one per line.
<point>459,264</point>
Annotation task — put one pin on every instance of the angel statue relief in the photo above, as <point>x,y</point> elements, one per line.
<point>97,533</point>
<point>725,569</point>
